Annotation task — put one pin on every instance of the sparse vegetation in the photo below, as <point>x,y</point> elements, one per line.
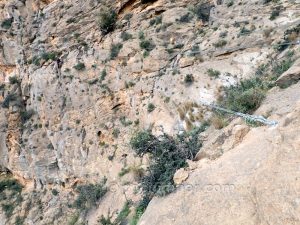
<point>6,24</point>
<point>26,115</point>
<point>126,36</point>
<point>19,220</point>
<point>89,195</point>
<point>202,11</point>
<point>9,98</point>
<point>245,97</point>
<point>188,79</point>
<point>10,190</point>
<point>79,66</point>
<point>218,120</point>
<point>116,133</point>
<point>71,20</point>
<point>114,50</point>
<point>14,80</point>
<point>124,171</point>
<point>213,73</point>
<point>103,75</point>
<point>186,18</point>
<point>49,56</point>
<point>125,122</point>
<point>244,31</point>
<point>147,45</point>
<point>220,43</point>
<point>229,3</point>
<point>74,218</point>
<point>55,192</point>
<point>121,218</point>
<point>157,20</point>
<point>107,20</point>
<point>275,13</point>
<point>289,35</point>
<point>151,107</point>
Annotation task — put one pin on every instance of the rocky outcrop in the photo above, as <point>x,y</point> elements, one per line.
<point>256,182</point>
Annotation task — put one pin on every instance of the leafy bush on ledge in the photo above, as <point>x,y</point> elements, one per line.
<point>167,154</point>
<point>107,20</point>
<point>89,195</point>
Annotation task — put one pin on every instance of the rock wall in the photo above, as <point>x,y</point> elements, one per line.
<point>66,94</point>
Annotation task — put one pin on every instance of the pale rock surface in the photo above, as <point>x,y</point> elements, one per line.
<point>256,182</point>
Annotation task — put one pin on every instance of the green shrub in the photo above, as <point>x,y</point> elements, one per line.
<point>6,24</point>
<point>55,192</point>
<point>48,56</point>
<point>127,16</point>
<point>129,84</point>
<point>229,3</point>
<point>156,21</point>
<point>186,18</point>
<point>168,154</point>
<point>107,20</point>
<point>14,80</point>
<point>195,50</point>
<point>14,198</point>
<point>189,79</point>
<point>8,99</point>
<point>220,43</point>
<point>126,36</point>
<point>89,195</point>
<point>202,11</point>
<point>245,97</point>
<point>275,13</point>
<point>141,35</point>
<point>50,146</point>
<point>36,60</point>
<point>8,209</point>
<point>79,66</point>
<point>282,66</point>
<point>19,220</point>
<point>93,81</point>
<point>124,171</point>
<point>244,31</point>
<point>121,218</point>
<point>139,211</point>
<point>10,184</point>
<point>114,50</point>
<point>74,218</point>
<point>116,133</point>
<point>147,45</point>
<point>289,36</point>
<point>71,20</point>
<point>125,122</point>
<point>142,142</point>
<point>26,115</point>
<point>103,75</point>
<point>150,107</point>
<point>105,221</point>
<point>213,73</point>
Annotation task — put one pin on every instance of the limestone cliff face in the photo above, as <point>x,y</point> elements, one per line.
<point>72,96</point>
